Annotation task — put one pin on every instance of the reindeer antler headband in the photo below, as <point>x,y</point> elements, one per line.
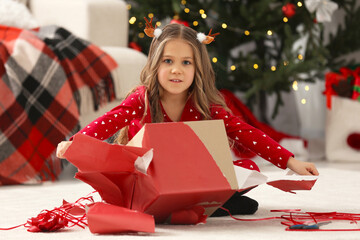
<point>150,31</point>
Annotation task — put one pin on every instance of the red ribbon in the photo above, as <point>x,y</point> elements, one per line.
<point>67,215</point>
<point>295,217</point>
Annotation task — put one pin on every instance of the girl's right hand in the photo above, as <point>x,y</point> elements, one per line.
<point>62,147</point>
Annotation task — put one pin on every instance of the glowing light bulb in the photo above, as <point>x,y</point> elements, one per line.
<point>150,15</point>
<point>285,19</point>
<point>204,16</point>
<point>269,32</point>
<point>299,4</point>
<point>273,68</point>
<point>195,23</point>
<point>224,25</point>
<point>295,85</point>
<point>232,68</point>
<point>247,33</point>
<point>201,11</point>
<point>303,101</point>
<point>255,66</point>
<point>300,57</point>
<point>214,59</point>
<point>307,88</point>
<point>186,10</point>
<point>132,20</point>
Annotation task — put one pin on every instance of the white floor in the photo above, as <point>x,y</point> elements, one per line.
<point>337,189</point>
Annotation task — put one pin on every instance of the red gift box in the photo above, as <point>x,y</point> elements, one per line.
<point>176,172</point>
<point>191,166</point>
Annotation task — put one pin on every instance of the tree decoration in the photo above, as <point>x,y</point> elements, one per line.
<point>289,10</point>
<point>324,9</point>
<point>343,83</point>
<point>259,52</point>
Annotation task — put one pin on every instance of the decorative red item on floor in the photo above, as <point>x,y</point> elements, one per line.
<point>67,215</point>
<point>354,141</point>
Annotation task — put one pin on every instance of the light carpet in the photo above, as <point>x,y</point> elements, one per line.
<point>337,189</point>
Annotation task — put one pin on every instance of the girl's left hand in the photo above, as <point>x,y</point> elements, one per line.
<point>302,168</point>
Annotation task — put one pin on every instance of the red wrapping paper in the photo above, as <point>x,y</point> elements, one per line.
<point>105,218</point>
<point>292,185</point>
<point>183,174</point>
<point>91,155</point>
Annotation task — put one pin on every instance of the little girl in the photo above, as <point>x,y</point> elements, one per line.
<point>178,84</point>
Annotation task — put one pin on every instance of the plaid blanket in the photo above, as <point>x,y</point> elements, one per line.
<point>41,72</point>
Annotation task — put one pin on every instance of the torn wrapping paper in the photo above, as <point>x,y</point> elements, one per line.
<point>176,172</point>
<point>290,182</point>
<point>182,174</point>
<point>110,169</point>
<point>106,218</point>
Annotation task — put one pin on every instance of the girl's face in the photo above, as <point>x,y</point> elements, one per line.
<point>177,69</point>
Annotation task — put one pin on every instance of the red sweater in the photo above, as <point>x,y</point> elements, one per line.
<point>131,111</point>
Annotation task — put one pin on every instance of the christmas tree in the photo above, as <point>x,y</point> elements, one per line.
<point>265,46</point>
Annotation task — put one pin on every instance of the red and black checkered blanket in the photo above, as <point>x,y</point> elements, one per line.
<point>41,72</point>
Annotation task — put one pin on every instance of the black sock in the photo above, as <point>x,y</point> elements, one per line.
<point>237,205</point>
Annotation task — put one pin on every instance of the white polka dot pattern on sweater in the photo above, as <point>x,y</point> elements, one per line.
<point>132,108</point>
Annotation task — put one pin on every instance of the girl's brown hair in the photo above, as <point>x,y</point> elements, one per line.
<point>202,92</point>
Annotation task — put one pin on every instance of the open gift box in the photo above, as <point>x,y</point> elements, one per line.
<point>168,170</point>
<point>191,166</point>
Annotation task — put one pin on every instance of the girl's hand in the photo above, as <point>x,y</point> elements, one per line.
<point>62,147</point>
<point>302,168</point>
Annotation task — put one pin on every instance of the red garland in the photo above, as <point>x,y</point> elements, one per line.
<point>67,215</point>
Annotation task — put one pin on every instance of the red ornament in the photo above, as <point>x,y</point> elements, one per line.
<point>135,46</point>
<point>354,141</point>
<point>289,10</point>
<point>178,21</point>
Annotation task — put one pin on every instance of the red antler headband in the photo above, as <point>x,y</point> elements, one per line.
<point>150,31</point>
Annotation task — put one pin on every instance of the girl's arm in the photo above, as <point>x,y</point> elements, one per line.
<point>260,143</point>
<point>111,122</point>
<point>302,168</point>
